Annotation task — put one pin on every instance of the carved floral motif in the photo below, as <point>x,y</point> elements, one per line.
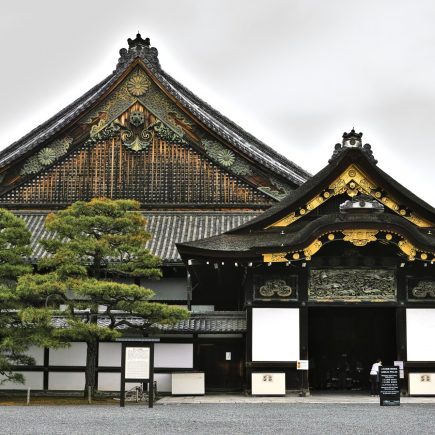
<point>276,286</point>
<point>138,84</point>
<point>226,157</point>
<point>46,156</point>
<point>137,87</point>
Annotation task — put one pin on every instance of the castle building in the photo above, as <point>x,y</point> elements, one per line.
<point>276,266</point>
<point>139,134</point>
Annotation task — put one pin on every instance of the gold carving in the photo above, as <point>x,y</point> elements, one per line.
<point>312,249</point>
<point>388,236</point>
<point>331,236</point>
<point>138,84</point>
<point>315,202</point>
<point>408,249</point>
<point>278,257</point>
<point>289,219</point>
<point>352,181</point>
<point>359,237</point>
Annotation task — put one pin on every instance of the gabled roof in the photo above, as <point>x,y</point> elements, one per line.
<point>140,51</point>
<point>385,188</point>
<point>397,216</point>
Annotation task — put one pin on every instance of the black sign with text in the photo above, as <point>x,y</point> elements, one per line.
<point>389,386</point>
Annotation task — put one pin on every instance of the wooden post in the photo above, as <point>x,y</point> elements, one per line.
<point>303,350</point>
<point>28,396</point>
<point>122,389</point>
<point>151,380</point>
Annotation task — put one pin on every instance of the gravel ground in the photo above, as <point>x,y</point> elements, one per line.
<point>219,419</point>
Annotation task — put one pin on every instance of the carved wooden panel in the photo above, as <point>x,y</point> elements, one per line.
<point>275,287</point>
<point>130,159</point>
<point>421,289</point>
<point>352,285</point>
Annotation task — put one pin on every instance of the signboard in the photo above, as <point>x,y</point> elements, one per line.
<point>389,387</point>
<point>401,366</point>
<point>137,363</point>
<point>302,364</point>
<point>228,356</point>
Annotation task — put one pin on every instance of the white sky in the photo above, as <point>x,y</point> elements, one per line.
<point>296,74</point>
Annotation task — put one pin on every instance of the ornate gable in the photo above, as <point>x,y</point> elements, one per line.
<point>139,138</point>
<point>349,202</point>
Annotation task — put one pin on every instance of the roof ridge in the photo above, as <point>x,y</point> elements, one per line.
<point>243,133</point>
<point>4,158</point>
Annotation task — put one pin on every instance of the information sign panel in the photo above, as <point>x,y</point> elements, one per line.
<point>302,364</point>
<point>389,386</point>
<point>137,363</point>
<point>401,366</point>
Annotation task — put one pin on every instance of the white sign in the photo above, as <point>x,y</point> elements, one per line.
<point>302,364</point>
<point>228,356</point>
<point>401,369</point>
<point>137,362</point>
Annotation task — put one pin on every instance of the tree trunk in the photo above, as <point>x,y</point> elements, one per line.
<point>91,366</point>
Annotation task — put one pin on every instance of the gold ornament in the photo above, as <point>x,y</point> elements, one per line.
<point>138,85</point>
<point>360,237</point>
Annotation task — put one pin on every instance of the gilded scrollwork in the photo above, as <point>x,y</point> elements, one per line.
<point>310,250</point>
<point>359,237</point>
<point>277,257</point>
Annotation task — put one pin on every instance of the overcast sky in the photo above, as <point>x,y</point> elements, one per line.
<point>296,74</point>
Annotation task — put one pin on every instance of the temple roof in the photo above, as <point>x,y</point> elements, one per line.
<point>300,235</point>
<point>140,51</point>
<point>302,222</point>
<point>211,322</point>
<point>166,228</point>
<point>337,164</point>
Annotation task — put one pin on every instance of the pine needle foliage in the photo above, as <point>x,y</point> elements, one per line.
<point>97,257</point>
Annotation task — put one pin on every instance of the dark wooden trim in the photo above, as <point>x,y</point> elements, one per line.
<point>248,355</point>
<point>401,334</point>
<point>46,367</point>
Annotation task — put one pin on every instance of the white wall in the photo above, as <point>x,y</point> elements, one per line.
<point>174,355</point>
<point>66,381</point>
<point>33,380</point>
<point>112,382</point>
<point>75,355</point>
<point>109,355</point>
<point>275,334</point>
<point>37,353</point>
<point>420,333</point>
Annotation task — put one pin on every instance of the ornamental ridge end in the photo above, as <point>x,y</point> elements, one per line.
<point>138,48</point>
<point>352,140</point>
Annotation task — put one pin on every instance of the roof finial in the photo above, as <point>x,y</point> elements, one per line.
<point>141,48</point>
<point>138,41</point>
<point>352,140</point>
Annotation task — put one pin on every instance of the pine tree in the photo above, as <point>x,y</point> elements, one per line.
<point>20,327</point>
<point>96,245</point>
